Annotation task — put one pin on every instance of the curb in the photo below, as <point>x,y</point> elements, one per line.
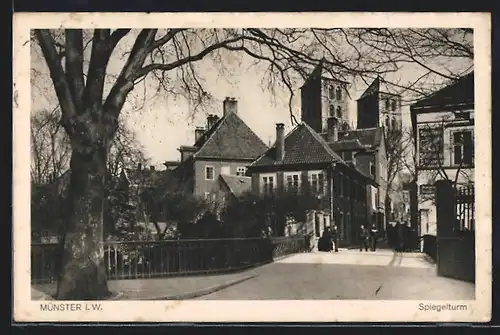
<point>200,293</point>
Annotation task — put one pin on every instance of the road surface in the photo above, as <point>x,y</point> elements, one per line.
<point>348,274</point>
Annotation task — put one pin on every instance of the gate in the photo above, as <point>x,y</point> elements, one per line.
<point>456,257</point>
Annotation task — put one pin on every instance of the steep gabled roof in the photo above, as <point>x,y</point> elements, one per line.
<point>237,185</point>
<point>230,138</point>
<point>459,93</point>
<point>368,137</point>
<point>302,146</point>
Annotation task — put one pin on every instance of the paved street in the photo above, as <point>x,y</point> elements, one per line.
<point>349,274</point>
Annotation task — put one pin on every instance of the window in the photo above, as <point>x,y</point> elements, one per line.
<point>209,172</point>
<point>338,93</point>
<point>430,146</point>
<point>372,169</point>
<point>393,105</point>
<point>387,104</point>
<point>341,184</point>
<point>463,148</point>
<point>292,181</point>
<point>207,195</point>
<point>339,112</point>
<point>317,182</point>
<point>332,110</point>
<point>225,170</point>
<point>394,124</point>
<point>331,92</point>
<point>268,183</point>
<point>241,171</point>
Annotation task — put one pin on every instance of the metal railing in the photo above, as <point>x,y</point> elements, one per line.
<point>153,259</point>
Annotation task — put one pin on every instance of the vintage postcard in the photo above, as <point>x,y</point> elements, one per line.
<point>260,167</point>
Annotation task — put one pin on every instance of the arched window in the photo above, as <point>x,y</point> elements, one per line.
<point>387,104</point>
<point>331,93</point>
<point>394,125</point>
<point>339,93</point>
<point>339,112</point>
<point>332,110</point>
<point>393,105</point>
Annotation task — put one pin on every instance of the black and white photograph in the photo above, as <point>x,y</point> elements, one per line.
<point>214,162</point>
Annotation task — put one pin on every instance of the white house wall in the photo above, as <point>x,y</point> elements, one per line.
<point>426,203</point>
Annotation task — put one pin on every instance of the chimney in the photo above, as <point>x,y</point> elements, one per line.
<point>230,105</point>
<point>198,133</point>
<point>280,141</point>
<point>211,119</point>
<point>139,166</point>
<point>333,131</point>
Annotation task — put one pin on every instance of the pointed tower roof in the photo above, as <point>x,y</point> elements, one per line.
<point>374,88</point>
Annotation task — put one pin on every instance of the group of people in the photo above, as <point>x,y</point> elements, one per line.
<point>401,237</point>
<point>368,238</point>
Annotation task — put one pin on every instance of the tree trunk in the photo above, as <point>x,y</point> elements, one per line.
<point>83,275</point>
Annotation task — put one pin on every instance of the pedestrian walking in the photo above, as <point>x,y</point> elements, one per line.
<point>373,237</point>
<point>364,237</point>
<point>335,237</point>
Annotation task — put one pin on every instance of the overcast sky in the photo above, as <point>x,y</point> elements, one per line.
<point>163,123</point>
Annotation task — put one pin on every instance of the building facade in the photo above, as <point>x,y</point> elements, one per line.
<point>222,150</point>
<point>304,162</point>
<point>443,128</point>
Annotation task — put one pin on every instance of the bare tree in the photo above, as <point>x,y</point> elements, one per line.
<point>50,148</point>
<point>91,100</point>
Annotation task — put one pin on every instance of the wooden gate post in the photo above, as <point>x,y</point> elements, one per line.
<point>445,215</point>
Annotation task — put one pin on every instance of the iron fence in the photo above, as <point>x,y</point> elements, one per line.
<point>465,208</point>
<point>153,259</point>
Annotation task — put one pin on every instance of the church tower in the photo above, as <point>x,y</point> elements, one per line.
<point>323,96</point>
<point>379,108</point>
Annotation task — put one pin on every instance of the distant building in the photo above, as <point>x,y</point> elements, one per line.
<point>323,98</point>
<point>214,167</point>
<point>443,128</point>
<point>303,161</point>
<point>379,108</point>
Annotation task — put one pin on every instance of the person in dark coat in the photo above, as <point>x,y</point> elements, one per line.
<point>399,240</point>
<point>373,237</point>
<point>364,237</point>
<point>335,237</point>
<point>324,242</point>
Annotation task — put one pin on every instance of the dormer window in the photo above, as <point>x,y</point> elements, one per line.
<point>331,92</point>
<point>393,105</point>
<point>338,93</point>
<point>339,112</point>
<point>332,110</point>
<point>387,104</point>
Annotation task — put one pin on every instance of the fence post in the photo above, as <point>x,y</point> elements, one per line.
<point>445,215</point>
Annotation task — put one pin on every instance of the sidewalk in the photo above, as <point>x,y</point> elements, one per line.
<point>174,288</point>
